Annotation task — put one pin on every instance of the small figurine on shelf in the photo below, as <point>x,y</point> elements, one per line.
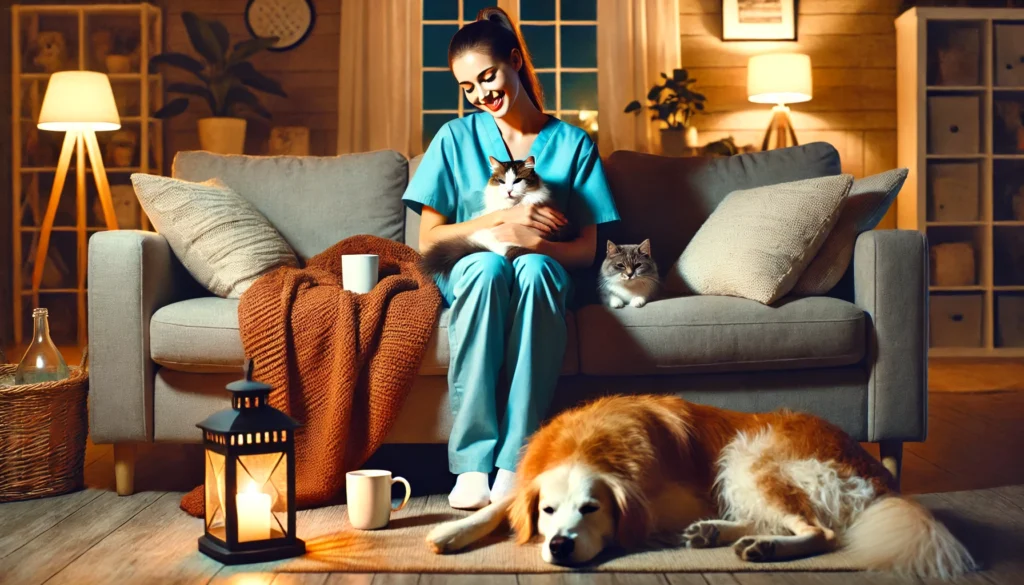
<point>121,148</point>
<point>42,361</point>
<point>121,54</point>
<point>51,52</point>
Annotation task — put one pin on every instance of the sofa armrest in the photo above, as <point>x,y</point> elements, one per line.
<point>131,275</point>
<point>890,272</point>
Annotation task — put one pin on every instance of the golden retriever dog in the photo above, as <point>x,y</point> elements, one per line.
<point>637,471</point>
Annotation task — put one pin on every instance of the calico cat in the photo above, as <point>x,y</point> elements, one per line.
<point>511,183</point>
<point>628,275</point>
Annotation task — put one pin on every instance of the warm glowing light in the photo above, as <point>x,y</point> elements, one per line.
<point>78,100</point>
<point>779,78</point>
<point>253,513</point>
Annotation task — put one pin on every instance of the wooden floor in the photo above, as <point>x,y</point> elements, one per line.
<point>976,441</point>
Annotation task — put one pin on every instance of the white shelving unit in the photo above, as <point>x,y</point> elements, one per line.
<point>83,30</point>
<point>922,35</point>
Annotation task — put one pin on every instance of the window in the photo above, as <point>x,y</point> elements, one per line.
<point>561,36</point>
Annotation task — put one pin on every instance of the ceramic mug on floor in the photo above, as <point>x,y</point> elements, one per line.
<point>369,497</point>
<point>359,272</point>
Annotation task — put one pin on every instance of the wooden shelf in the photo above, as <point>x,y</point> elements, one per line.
<point>1008,223</point>
<point>1008,288</point>
<point>955,223</point>
<point>976,352</point>
<point>1008,88</point>
<point>1008,156</point>
<point>981,156</point>
<point>142,20</point>
<point>956,88</point>
<point>969,288</point>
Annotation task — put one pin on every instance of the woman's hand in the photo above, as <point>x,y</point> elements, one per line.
<point>545,220</point>
<point>518,235</point>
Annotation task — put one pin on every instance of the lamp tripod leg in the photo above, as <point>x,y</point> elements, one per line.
<point>63,163</point>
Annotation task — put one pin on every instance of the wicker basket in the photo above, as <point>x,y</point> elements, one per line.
<point>43,428</point>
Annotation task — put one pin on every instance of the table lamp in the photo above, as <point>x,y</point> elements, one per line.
<point>780,79</point>
<point>79,103</point>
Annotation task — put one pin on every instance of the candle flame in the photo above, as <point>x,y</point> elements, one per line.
<point>252,488</point>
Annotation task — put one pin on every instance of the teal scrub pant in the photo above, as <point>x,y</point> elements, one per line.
<point>502,313</point>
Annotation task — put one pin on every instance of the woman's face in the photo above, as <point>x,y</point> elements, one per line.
<point>489,84</point>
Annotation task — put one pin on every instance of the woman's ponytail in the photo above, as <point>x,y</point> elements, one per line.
<point>495,32</point>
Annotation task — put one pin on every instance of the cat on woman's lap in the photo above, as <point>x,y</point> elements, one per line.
<point>628,273</point>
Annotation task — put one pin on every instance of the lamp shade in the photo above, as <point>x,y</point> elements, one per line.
<point>781,78</point>
<point>78,100</point>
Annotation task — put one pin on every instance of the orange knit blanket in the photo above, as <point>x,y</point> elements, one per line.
<point>339,363</point>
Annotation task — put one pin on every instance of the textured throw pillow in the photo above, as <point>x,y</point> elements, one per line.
<point>866,205</point>
<point>219,236</point>
<point>758,241</point>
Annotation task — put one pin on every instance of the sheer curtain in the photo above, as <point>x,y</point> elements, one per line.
<point>637,40</point>
<point>379,76</point>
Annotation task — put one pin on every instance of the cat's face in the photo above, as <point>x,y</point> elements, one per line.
<point>511,182</point>
<point>628,262</point>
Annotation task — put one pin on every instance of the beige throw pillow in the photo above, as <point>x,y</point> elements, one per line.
<point>865,206</point>
<point>223,241</point>
<point>758,241</point>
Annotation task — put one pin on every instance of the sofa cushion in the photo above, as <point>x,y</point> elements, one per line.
<point>314,201</point>
<point>201,335</point>
<point>712,333</point>
<point>667,199</point>
<point>758,241</point>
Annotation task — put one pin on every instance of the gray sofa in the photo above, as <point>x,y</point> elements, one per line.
<point>163,349</point>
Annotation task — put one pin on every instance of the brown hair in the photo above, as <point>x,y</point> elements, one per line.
<point>495,33</point>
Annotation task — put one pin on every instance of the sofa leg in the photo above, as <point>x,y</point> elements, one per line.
<point>124,468</point>
<point>892,458</point>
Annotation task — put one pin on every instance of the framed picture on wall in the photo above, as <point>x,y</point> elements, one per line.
<point>758,20</point>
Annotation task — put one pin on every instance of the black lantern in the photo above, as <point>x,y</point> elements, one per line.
<point>250,479</point>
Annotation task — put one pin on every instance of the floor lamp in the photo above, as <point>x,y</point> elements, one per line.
<point>79,103</point>
<point>779,79</point>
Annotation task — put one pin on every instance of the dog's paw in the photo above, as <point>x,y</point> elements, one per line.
<point>616,303</point>
<point>638,302</point>
<point>756,549</point>
<point>445,538</point>
<point>701,535</point>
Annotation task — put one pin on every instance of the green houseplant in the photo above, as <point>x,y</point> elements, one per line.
<point>226,79</point>
<point>675,103</point>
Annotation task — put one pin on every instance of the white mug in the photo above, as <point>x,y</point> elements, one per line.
<point>369,497</point>
<point>359,272</point>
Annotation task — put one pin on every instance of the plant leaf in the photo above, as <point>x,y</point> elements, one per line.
<point>202,37</point>
<point>248,75</point>
<point>220,32</point>
<point>679,75</point>
<point>250,47</point>
<point>196,90</point>
<point>663,76</point>
<point>179,60</point>
<point>699,106</point>
<point>240,95</point>
<point>655,92</point>
<point>633,106</point>
<point>698,97</point>
<point>171,109</point>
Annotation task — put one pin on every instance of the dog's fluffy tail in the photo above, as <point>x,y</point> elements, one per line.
<point>441,258</point>
<point>899,535</point>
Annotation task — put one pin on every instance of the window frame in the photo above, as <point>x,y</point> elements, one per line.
<point>557,70</point>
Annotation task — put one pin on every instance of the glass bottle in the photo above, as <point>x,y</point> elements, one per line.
<point>41,362</point>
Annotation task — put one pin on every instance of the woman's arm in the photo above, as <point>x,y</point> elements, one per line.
<point>578,253</point>
<point>433,226</point>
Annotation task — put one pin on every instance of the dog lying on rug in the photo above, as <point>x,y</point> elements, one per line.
<point>633,471</point>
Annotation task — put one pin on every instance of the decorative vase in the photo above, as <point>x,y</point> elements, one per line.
<point>222,135</point>
<point>119,64</point>
<point>692,139</point>
<point>673,142</point>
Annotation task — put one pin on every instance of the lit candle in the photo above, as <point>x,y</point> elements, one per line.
<point>253,514</point>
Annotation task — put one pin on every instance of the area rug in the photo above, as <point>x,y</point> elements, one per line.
<point>332,545</point>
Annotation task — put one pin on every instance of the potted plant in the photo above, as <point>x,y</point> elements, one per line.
<point>226,79</point>
<point>674,103</point>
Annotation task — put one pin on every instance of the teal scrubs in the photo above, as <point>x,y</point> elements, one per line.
<point>505,313</point>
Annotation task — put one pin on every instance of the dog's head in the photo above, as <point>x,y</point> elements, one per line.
<point>578,511</point>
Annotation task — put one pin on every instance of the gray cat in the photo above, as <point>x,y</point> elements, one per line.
<point>628,275</point>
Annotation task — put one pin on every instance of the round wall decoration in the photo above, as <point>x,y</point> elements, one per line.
<point>289,20</point>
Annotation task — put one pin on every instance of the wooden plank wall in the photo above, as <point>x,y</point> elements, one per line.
<point>852,45</point>
<point>308,73</point>
<point>6,194</point>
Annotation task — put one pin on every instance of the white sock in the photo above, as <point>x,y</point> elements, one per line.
<point>504,482</point>
<point>470,491</point>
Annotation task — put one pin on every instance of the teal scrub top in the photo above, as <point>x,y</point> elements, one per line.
<point>454,171</point>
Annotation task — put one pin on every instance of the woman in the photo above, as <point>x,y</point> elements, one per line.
<point>504,313</point>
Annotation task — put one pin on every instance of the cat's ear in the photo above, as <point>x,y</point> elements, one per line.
<point>496,165</point>
<point>530,162</point>
<point>645,247</point>
<point>612,248</point>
